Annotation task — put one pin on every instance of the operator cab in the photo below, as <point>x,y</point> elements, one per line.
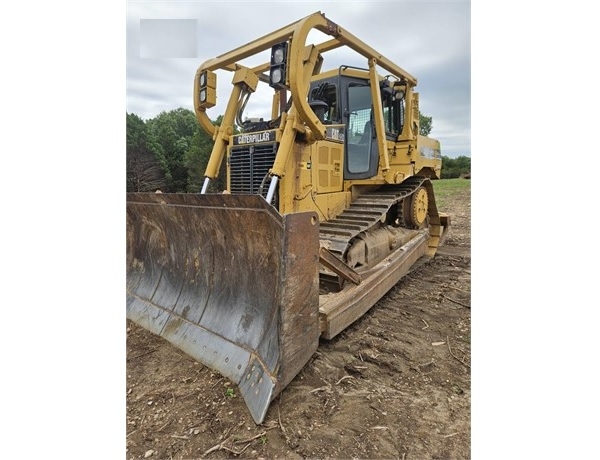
<point>347,100</point>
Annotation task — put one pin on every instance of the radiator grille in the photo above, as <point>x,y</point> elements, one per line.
<point>248,166</point>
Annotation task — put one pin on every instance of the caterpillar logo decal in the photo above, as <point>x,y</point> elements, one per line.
<point>254,138</point>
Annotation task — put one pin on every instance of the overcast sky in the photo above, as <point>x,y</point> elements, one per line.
<point>429,39</point>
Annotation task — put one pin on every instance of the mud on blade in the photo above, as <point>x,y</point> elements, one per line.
<point>228,280</point>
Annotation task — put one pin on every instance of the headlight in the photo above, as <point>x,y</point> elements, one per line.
<point>276,76</point>
<point>278,56</point>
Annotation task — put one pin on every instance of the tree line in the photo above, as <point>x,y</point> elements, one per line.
<point>456,167</point>
<point>170,153</point>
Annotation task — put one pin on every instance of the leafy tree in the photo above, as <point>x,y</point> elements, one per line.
<point>174,131</point>
<point>425,125</point>
<point>145,163</point>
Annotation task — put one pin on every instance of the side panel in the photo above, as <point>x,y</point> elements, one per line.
<point>327,166</point>
<point>429,156</point>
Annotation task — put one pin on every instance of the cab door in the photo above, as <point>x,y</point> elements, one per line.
<point>362,155</point>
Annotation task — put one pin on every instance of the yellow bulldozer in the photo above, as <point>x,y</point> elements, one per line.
<point>329,202</point>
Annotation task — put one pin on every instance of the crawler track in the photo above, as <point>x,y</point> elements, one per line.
<point>371,209</point>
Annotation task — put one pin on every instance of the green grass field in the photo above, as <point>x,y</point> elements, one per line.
<point>446,187</point>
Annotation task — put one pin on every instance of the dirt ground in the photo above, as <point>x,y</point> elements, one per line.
<point>395,384</point>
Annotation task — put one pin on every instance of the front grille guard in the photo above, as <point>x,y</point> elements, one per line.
<point>249,167</point>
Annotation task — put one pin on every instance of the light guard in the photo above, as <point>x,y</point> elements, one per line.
<point>278,69</point>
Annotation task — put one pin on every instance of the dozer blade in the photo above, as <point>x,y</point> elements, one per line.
<point>229,281</point>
